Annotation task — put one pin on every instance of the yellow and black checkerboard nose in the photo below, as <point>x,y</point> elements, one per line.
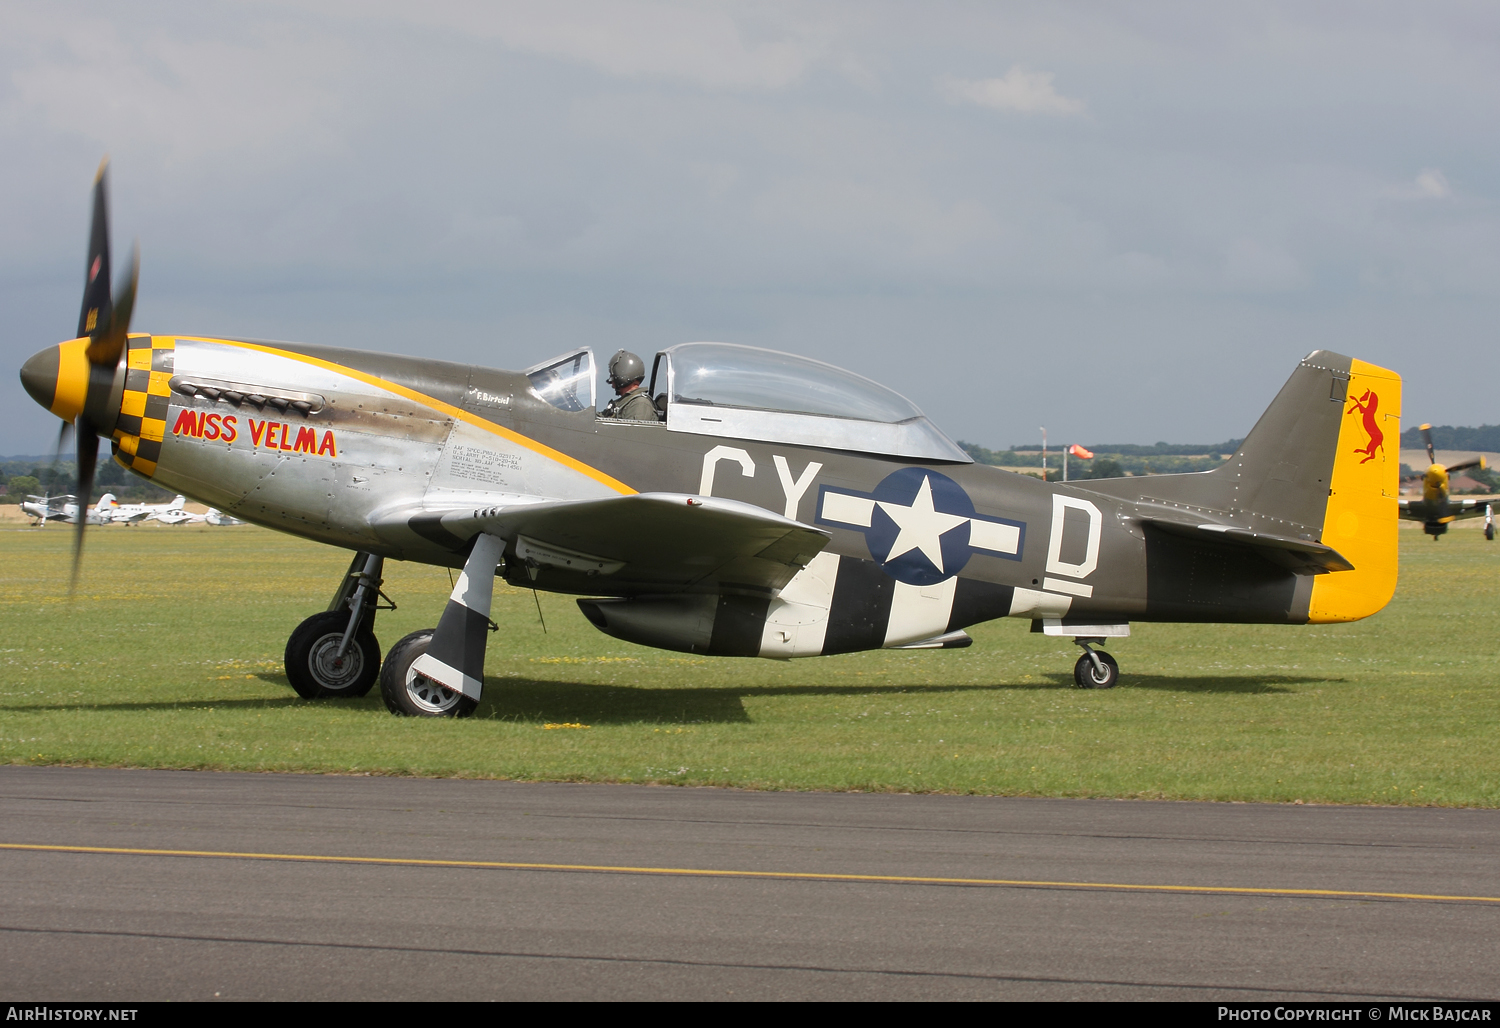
<point>143,408</point>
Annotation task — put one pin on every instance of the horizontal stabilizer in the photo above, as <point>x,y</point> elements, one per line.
<point>1300,556</point>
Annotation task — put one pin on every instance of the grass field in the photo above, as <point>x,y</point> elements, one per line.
<point>170,656</point>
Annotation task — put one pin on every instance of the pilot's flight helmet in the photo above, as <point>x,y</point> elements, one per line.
<point>625,367</point>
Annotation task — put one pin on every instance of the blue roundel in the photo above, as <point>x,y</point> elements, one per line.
<point>919,528</point>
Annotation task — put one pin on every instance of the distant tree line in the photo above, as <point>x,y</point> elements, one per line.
<point>1226,448</point>
<point>1114,460</point>
<point>1446,437</point>
<point>39,476</point>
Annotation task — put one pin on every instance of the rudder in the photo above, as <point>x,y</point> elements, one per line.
<point>1360,519</point>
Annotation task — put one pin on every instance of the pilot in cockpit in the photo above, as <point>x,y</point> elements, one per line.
<point>626,372</point>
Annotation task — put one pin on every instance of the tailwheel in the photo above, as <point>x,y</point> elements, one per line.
<point>411,694</point>
<point>321,664</point>
<point>1096,670</point>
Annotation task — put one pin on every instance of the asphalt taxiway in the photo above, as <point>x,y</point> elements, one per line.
<point>153,885</point>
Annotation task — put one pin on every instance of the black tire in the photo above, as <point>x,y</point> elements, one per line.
<point>313,667</point>
<point>1489,533</point>
<point>413,695</point>
<point>1086,676</point>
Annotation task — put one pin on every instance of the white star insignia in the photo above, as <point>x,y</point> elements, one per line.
<point>922,526</point>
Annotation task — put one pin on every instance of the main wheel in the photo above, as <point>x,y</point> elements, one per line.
<point>314,667</point>
<point>1489,533</point>
<point>1087,676</point>
<point>415,695</point>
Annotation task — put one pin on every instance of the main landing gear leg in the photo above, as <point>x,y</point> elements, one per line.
<point>439,672</point>
<point>1095,669</point>
<point>335,653</point>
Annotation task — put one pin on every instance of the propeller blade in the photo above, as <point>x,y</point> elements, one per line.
<point>57,451</point>
<point>108,341</point>
<point>1476,462</point>
<point>96,300</point>
<point>88,457</point>
<point>105,319</point>
<point>1427,438</point>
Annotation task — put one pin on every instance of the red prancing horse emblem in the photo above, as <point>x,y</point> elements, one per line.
<point>1367,405</point>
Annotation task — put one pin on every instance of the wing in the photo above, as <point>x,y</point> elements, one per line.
<point>648,542</point>
<point>1458,508</point>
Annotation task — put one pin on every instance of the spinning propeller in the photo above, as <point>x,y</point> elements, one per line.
<point>79,391</point>
<point>1476,462</point>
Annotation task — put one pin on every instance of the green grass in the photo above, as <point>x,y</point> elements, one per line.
<point>171,657</point>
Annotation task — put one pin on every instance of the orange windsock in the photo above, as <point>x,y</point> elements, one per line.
<point>1079,451</point>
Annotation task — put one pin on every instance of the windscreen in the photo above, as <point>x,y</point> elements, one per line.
<point>726,374</point>
<point>568,383</point>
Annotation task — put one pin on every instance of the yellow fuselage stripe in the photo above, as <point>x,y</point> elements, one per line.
<point>431,401</point>
<point>699,872</point>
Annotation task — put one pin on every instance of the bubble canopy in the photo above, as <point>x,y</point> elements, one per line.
<point>750,393</point>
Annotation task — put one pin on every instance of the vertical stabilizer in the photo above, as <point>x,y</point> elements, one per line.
<point>1323,465</point>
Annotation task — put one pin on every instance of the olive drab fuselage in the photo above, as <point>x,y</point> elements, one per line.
<point>389,432</point>
<point>367,451</point>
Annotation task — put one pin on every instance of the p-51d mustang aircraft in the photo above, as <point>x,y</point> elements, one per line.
<point>781,508</point>
<point>1437,509</point>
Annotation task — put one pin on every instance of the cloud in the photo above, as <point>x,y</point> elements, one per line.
<point>184,94</point>
<point>716,46</point>
<point>1026,92</point>
<point>1431,184</point>
<point>1254,266</point>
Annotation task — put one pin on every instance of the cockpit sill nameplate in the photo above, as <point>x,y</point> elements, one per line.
<point>476,397</point>
<point>237,394</point>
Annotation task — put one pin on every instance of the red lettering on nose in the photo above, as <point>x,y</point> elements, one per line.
<point>328,446</point>
<point>188,424</point>
<point>285,445</point>
<point>257,429</point>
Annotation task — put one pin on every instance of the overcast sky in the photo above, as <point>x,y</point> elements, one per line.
<point>1126,222</point>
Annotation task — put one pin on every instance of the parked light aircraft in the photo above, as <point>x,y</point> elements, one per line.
<point>178,517</point>
<point>780,508</point>
<point>48,508</point>
<point>1436,509</point>
<point>62,508</point>
<point>133,513</point>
